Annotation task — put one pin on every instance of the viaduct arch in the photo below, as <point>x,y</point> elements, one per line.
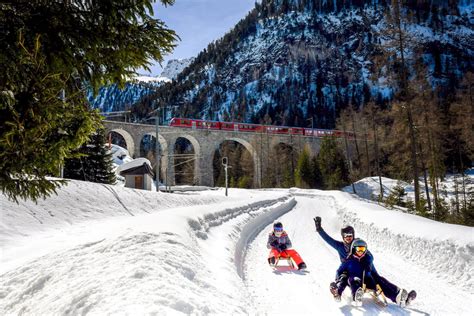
<point>205,142</point>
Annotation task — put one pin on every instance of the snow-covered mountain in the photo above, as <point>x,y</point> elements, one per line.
<point>290,60</point>
<point>112,98</point>
<point>175,66</point>
<point>100,250</point>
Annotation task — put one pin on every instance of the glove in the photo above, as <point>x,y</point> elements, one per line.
<point>317,223</point>
<point>282,247</point>
<point>341,278</point>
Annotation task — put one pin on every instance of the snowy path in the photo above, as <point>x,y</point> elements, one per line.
<point>293,293</point>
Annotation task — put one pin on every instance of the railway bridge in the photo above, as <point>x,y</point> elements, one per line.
<point>205,142</point>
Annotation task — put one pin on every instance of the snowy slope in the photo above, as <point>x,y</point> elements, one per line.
<point>369,188</point>
<point>98,249</point>
<point>175,66</point>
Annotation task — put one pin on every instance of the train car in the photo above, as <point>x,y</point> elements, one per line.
<point>309,132</point>
<point>276,129</point>
<point>257,128</point>
<point>296,131</point>
<point>194,124</point>
<point>318,132</point>
<point>229,126</point>
<point>247,127</point>
<point>180,122</point>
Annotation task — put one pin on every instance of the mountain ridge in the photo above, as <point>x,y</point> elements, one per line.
<point>287,62</point>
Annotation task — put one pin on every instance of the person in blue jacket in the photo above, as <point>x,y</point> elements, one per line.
<point>358,269</point>
<point>343,248</point>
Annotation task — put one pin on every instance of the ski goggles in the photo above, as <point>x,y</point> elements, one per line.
<point>278,229</point>
<point>360,249</point>
<point>347,235</point>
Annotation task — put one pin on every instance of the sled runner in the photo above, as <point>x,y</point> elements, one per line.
<point>377,295</point>
<point>279,259</point>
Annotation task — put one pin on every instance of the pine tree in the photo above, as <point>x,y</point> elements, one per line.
<point>461,126</point>
<point>332,164</point>
<point>94,163</point>
<point>396,196</point>
<point>317,182</point>
<point>374,118</point>
<point>49,49</point>
<point>395,51</point>
<point>303,175</point>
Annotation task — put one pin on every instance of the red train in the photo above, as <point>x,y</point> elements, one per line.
<point>255,128</point>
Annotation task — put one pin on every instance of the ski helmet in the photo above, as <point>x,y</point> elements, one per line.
<point>358,248</point>
<point>348,230</point>
<point>278,229</point>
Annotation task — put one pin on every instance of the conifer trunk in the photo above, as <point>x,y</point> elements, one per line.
<point>349,159</point>
<point>376,149</point>
<point>405,97</point>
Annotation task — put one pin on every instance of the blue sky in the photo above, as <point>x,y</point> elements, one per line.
<point>198,22</point>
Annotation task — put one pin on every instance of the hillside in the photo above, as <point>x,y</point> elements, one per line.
<point>290,60</point>
<point>136,90</point>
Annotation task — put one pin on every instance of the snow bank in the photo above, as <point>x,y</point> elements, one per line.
<point>91,254</point>
<point>445,249</point>
<point>369,188</point>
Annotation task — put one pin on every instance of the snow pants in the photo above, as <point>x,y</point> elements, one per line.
<point>390,290</point>
<point>288,253</point>
<point>355,283</point>
<point>341,284</point>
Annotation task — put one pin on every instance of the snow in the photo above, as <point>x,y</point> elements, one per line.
<point>138,162</point>
<point>151,79</point>
<point>369,188</point>
<point>175,66</point>
<point>100,249</point>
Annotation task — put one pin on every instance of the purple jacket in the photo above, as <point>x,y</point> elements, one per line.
<point>274,241</point>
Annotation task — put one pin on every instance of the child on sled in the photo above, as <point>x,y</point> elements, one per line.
<point>280,244</point>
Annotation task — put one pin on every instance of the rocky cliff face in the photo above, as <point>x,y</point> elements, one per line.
<point>175,66</point>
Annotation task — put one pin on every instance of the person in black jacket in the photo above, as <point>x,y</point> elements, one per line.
<point>344,250</point>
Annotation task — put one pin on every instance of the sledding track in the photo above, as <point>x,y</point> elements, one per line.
<point>296,293</point>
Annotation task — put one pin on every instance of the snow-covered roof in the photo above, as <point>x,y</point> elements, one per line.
<point>134,164</point>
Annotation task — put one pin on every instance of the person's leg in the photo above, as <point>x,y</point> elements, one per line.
<point>273,255</point>
<point>389,289</point>
<point>338,287</point>
<point>355,283</point>
<point>293,254</point>
<point>370,283</point>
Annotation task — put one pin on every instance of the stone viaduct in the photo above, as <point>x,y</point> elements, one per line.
<point>205,143</point>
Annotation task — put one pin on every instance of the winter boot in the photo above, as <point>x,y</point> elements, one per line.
<point>271,261</point>
<point>334,291</point>
<point>401,298</point>
<point>301,266</point>
<point>358,297</point>
<point>411,296</point>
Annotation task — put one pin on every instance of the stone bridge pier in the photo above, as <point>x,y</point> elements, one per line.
<point>205,143</point>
